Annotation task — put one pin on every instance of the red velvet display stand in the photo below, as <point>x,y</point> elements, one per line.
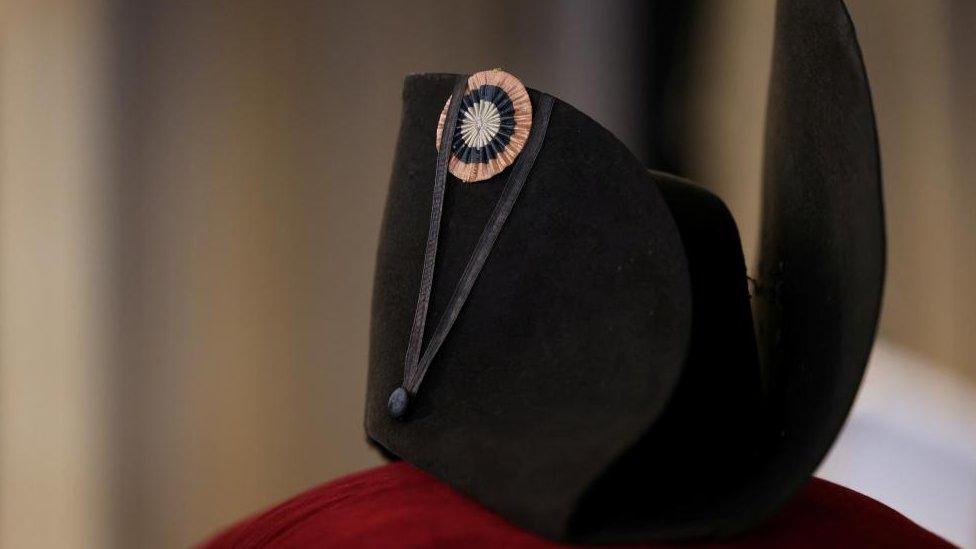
<point>397,505</point>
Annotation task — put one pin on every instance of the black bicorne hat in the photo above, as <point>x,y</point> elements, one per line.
<point>584,357</point>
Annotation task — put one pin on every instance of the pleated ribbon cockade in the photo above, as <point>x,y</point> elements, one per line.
<point>493,125</point>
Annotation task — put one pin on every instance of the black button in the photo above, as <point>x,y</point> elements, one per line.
<point>398,402</point>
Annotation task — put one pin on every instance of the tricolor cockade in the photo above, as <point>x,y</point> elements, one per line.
<point>492,127</point>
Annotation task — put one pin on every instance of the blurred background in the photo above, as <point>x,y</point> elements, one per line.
<point>190,198</point>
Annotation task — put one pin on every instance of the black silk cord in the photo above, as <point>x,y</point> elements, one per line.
<point>416,365</point>
<point>433,233</point>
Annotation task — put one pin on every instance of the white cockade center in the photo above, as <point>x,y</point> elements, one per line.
<point>480,124</point>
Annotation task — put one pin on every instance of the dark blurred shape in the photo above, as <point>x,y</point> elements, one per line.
<point>666,41</point>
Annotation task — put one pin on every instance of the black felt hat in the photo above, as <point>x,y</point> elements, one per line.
<point>606,376</point>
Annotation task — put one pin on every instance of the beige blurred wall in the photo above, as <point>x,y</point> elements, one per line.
<point>190,201</point>
<point>55,297</point>
<point>922,61</point>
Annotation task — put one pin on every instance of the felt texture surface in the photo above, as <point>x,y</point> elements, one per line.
<point>571,340</point>
<point>713,425</point>
<point>602,383</point>
<point>398,505</point>
<point>611,292</point>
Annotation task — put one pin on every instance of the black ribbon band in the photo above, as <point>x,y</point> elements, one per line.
<point>415,365</point>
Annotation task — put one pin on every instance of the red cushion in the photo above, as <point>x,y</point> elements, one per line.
<point>400,505</point>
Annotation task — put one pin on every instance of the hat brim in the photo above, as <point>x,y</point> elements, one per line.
<point>822,255</point>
